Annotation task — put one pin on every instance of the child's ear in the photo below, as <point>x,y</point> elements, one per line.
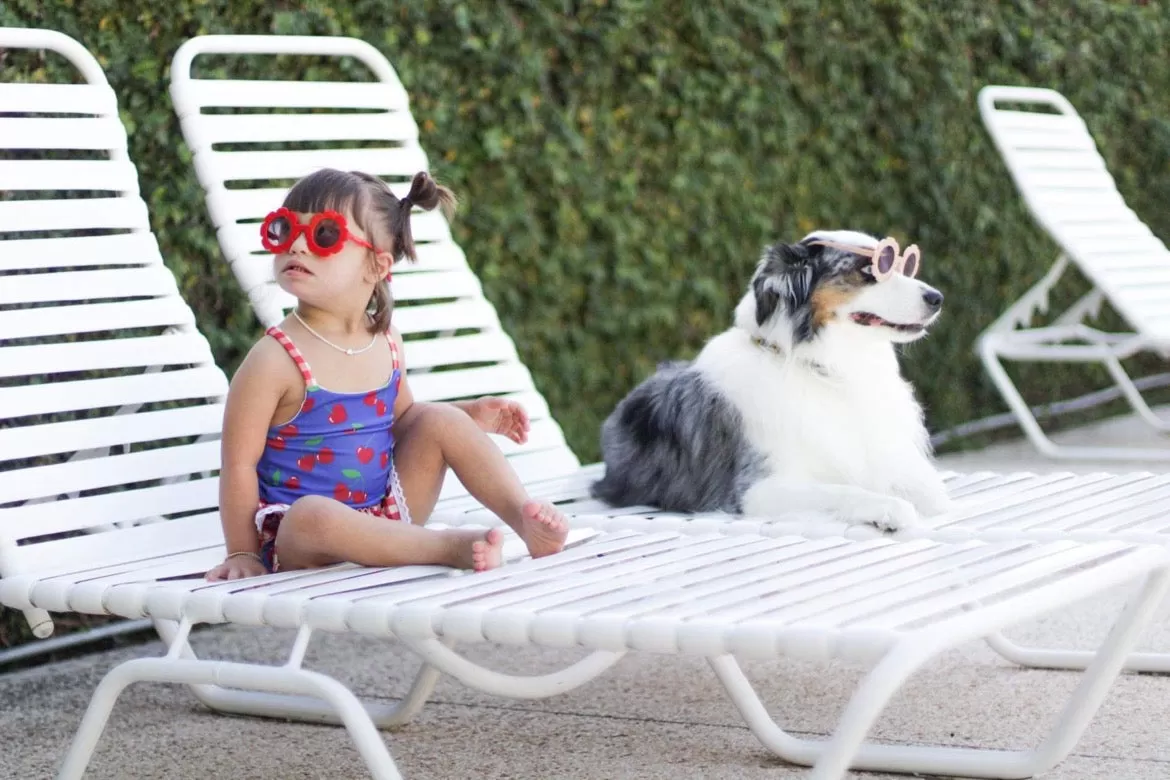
<point>382,263</point>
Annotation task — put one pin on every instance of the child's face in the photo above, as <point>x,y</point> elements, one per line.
<point>346,275</point>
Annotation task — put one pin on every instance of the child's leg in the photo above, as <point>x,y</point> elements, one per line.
<point>317,531</point>
<point>431,437</point>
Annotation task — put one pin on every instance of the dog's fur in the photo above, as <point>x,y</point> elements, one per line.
<point>817,418</point>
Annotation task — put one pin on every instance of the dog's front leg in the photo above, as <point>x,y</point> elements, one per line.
<point>923,486</point>
<point>848,503</point>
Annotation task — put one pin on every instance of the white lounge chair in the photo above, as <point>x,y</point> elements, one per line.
<point>108,506</point>
<point>890,606</point>
<point>1132,507</point>
<point>1068,189</point>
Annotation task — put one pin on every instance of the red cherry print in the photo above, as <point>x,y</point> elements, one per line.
<point>306,462</point>
<point>276,443</point>
<point>308,404</point>
<point>385,459</point>
<point>365,454</point>
<point>359,496</point>
<point>289,430</point>
<point>325,456</point>
<point>337,414</point>
<point>341,492</point>
<point>370,398</point>
<point>293,482</point>
<point>380,407</point>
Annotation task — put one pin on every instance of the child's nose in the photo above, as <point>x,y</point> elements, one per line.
<point>300,245</point>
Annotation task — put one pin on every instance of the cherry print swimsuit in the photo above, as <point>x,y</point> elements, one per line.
<point>338,445</point>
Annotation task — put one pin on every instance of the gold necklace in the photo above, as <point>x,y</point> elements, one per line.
<point>349,351</point>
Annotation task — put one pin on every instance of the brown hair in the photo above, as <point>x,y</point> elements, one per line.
<point>376,210</point>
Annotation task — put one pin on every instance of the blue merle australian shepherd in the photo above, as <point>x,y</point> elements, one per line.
<point>800,406</point>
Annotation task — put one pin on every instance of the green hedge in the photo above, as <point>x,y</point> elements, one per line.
<point>622,162</point>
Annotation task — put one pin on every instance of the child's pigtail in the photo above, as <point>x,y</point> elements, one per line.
<point>426,194</point>
<point>394,215</point>
<point>383,307</point>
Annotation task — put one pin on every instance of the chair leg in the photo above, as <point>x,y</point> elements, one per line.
<point>846,750</point>
<point>301,708</point>
<point>282,679</point>
<point>438,655</point>
<point>1057,658</point>
<point>1134,396</point>
<point>437,659</point>
<point>1035,434</point>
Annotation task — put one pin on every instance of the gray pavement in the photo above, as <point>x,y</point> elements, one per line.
<point>1121,431</point>
<point>649,717</point>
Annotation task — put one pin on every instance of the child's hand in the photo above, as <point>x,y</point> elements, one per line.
<point>499,415</point>
<point>237,568</point>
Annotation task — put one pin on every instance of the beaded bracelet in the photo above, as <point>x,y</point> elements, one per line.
<point>243,553</point>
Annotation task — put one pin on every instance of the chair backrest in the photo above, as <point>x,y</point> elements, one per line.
<point>110,401</point>
<point>250,139</point>
<point>1068,189</point>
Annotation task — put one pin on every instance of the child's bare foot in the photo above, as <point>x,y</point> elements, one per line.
<point>543,528</point>
<point>486,550</point>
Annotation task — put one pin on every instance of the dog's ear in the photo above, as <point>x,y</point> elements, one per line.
<point>784,277</point>
<point>766,298</point>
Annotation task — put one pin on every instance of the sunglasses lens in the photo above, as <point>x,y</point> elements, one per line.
<point>327,233</point>
<point>277,231</point>
<point>911,267</point>
<point>885,260</point>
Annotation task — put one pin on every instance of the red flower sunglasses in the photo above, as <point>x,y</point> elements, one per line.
<point>326,233</point>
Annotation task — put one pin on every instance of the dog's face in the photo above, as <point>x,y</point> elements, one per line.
<point>805,287</point>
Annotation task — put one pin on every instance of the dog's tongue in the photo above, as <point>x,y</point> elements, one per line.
<point>865,318</point>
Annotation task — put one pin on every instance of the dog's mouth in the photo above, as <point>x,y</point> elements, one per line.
<point>869,319</point>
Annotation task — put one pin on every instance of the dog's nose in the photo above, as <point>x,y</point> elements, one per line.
<point>933,299</point>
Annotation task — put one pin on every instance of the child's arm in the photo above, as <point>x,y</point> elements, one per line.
<point>255,391</point>
<point>492,415</point>
<point>405,398</point>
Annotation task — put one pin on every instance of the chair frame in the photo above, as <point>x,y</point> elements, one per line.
<point>1012,336</point>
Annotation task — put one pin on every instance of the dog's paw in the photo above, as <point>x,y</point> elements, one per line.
<point>886,513</point>
<point>931,502</point>
<point>933,506</point>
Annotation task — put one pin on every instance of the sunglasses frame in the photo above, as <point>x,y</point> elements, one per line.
<point>296,228</point>
<point>900,257</point>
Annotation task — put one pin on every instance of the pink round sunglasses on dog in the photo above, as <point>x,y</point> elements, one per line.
<point>887,259</point>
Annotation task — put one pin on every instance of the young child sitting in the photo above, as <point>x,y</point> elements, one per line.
<point>326,455</point>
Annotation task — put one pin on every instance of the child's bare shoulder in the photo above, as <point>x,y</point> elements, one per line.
<point>268,362</point>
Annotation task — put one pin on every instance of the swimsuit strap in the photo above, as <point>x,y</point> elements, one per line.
<point>394,358</point>
<point>296,355</point>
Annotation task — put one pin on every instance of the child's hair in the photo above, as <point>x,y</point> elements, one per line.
<point>375,209</point>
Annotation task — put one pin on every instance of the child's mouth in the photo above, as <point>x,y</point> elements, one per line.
<point>296,268</point>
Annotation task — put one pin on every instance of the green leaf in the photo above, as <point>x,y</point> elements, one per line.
<point>356,426</point>
<point>313,442</point>
<point>351,473</point>
<point>276,477</point>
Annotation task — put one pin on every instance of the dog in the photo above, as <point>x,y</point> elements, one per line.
<point>800,406</point>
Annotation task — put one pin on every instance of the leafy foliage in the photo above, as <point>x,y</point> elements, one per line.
<point>622,162</point>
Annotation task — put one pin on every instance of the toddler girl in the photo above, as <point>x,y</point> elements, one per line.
<point>326,455</point>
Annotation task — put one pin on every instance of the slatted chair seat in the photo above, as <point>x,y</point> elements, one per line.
<point>1067,187</point>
